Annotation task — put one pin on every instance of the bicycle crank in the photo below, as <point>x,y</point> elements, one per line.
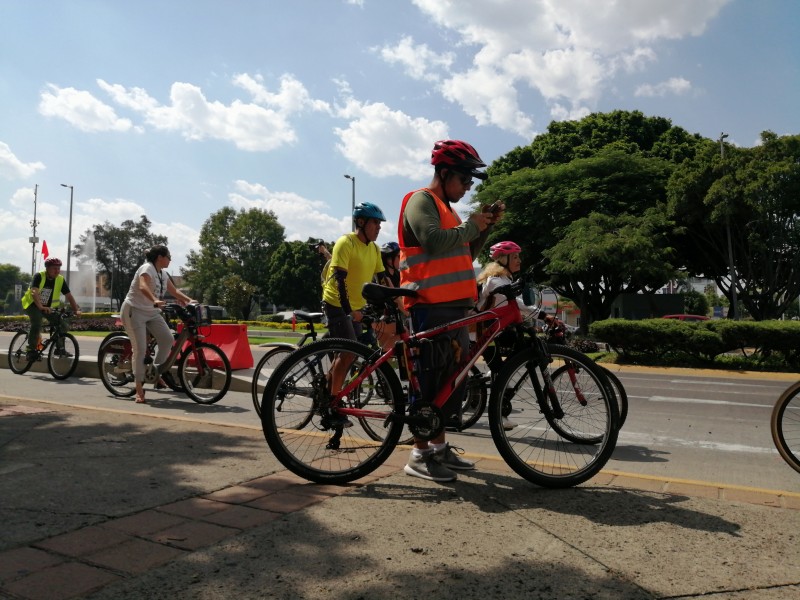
<point>425,421</point>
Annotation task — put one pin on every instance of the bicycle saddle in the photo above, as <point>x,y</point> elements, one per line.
<point>373,292</point>
<point>308,317</point>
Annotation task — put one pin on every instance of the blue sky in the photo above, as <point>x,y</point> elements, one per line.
<point>175,108</point>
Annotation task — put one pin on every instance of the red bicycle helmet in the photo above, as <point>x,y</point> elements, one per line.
<point>502,249</point>
<point>459,155</point>
<point>52,262</point>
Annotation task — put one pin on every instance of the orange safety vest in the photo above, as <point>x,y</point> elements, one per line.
<point>438,278</point>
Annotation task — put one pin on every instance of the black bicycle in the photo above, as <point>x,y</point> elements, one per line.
<point>61,349</point>
<point>785,426</point>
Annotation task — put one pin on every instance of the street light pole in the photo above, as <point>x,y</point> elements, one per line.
<point>352,178</point>
<point>731,270</point>
<point>69,234</point>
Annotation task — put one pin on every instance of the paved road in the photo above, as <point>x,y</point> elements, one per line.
<point>684,424</point>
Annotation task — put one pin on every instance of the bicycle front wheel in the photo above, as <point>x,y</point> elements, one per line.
<point>535,448</point>
<point>335,447</point>
<point>785,426</point>
<point>18,355</point>
<point>205,373</point>
<point>115,363</point>
<point>264,369</point>
<point>62,362</point>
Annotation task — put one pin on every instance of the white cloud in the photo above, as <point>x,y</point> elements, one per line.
<point>13,168</point>
<point>387,142</point>
<point>302,218</point>
<point>673,86</point>
<point>418,60</point>
<point>81,109</point>
<point>567,51</point>
<point>257,126</point>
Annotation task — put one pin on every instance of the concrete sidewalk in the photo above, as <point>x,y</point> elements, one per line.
<point>112,504</point>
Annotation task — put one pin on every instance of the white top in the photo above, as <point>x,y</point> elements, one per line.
<point>492,283</point>
<point>158,285</point>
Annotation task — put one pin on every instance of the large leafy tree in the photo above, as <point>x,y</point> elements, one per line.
<point>750,197</point>
<point>565,141</point>
<point>10,275</point>
<point>233,243</point>
<point>118,251</point>
<point>294,276</point>
<point>593,228</point>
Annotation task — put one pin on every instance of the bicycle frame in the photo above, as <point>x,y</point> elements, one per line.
<point>497,319</point>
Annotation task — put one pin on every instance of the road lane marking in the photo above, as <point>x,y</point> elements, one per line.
<point>667,441</point>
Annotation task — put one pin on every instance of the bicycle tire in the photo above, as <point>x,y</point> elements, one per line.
<point>475,399</point>
<point>205,373</point>
<point>18,360</point>
<point>115,364</point>
<point>264,369</point>
<point>785,426</point>
<point>173,382</point>
<point>372,395</point>
<point>619,390</point>
<point>320,453</point>
<point>590,381</point>
<point>533,449</point>
<point>63,366</point>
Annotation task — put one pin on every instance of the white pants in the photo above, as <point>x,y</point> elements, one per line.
<point>137,323</point>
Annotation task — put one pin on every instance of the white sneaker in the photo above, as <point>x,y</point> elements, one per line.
<point>508,424</point>
<point>426,467</point>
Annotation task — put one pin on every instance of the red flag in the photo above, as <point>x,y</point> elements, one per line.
<point>45,251</point>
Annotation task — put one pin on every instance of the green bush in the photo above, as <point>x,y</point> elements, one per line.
<point>762,343</point>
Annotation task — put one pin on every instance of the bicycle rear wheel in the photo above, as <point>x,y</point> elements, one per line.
<point>323,452</point>
<point>205,373</point>
<point>785,426</point>
<point>115,363</point>
<point>535,449</point>
<point>18,360</point>
<point>474,403</point>
<point>264,369</point>
<point>62,362</point>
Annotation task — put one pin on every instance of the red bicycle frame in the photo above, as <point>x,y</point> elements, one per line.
<point>496,319</point>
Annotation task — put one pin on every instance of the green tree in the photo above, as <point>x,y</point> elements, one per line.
<point>630,131</point>
<point>752,198</point>
<point>601,256</point>
<point>233,243</point>
<point>294,276</point>
<point>237,296</point>
<point>566,215</point>
<point>119,251</point>
<point>10,275</point>
<point>695,303</point>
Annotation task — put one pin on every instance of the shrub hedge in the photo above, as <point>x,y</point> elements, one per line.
<point>704,340</point>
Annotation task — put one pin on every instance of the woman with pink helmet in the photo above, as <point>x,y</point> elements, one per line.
<point>505,264</point>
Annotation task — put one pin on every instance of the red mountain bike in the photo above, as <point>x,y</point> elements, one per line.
<point>566,430</point>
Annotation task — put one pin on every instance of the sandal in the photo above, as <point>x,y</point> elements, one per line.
<point>140,400</point>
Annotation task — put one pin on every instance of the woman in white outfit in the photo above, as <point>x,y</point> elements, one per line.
<point>141,312</point>
<point>506,262</point>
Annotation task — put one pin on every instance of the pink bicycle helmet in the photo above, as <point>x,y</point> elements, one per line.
<point>459,155</point>
<point>52,262</point>
<point>502,249</point>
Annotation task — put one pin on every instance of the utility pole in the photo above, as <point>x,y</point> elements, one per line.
<point>731,270</point>
<point>33,239</point>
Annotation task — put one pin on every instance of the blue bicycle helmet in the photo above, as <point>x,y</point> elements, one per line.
<point>367,210</point>
<point>390,248</point>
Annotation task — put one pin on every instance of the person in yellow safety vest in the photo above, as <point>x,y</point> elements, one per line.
<point>42,297</point>
<point>436,254</point>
